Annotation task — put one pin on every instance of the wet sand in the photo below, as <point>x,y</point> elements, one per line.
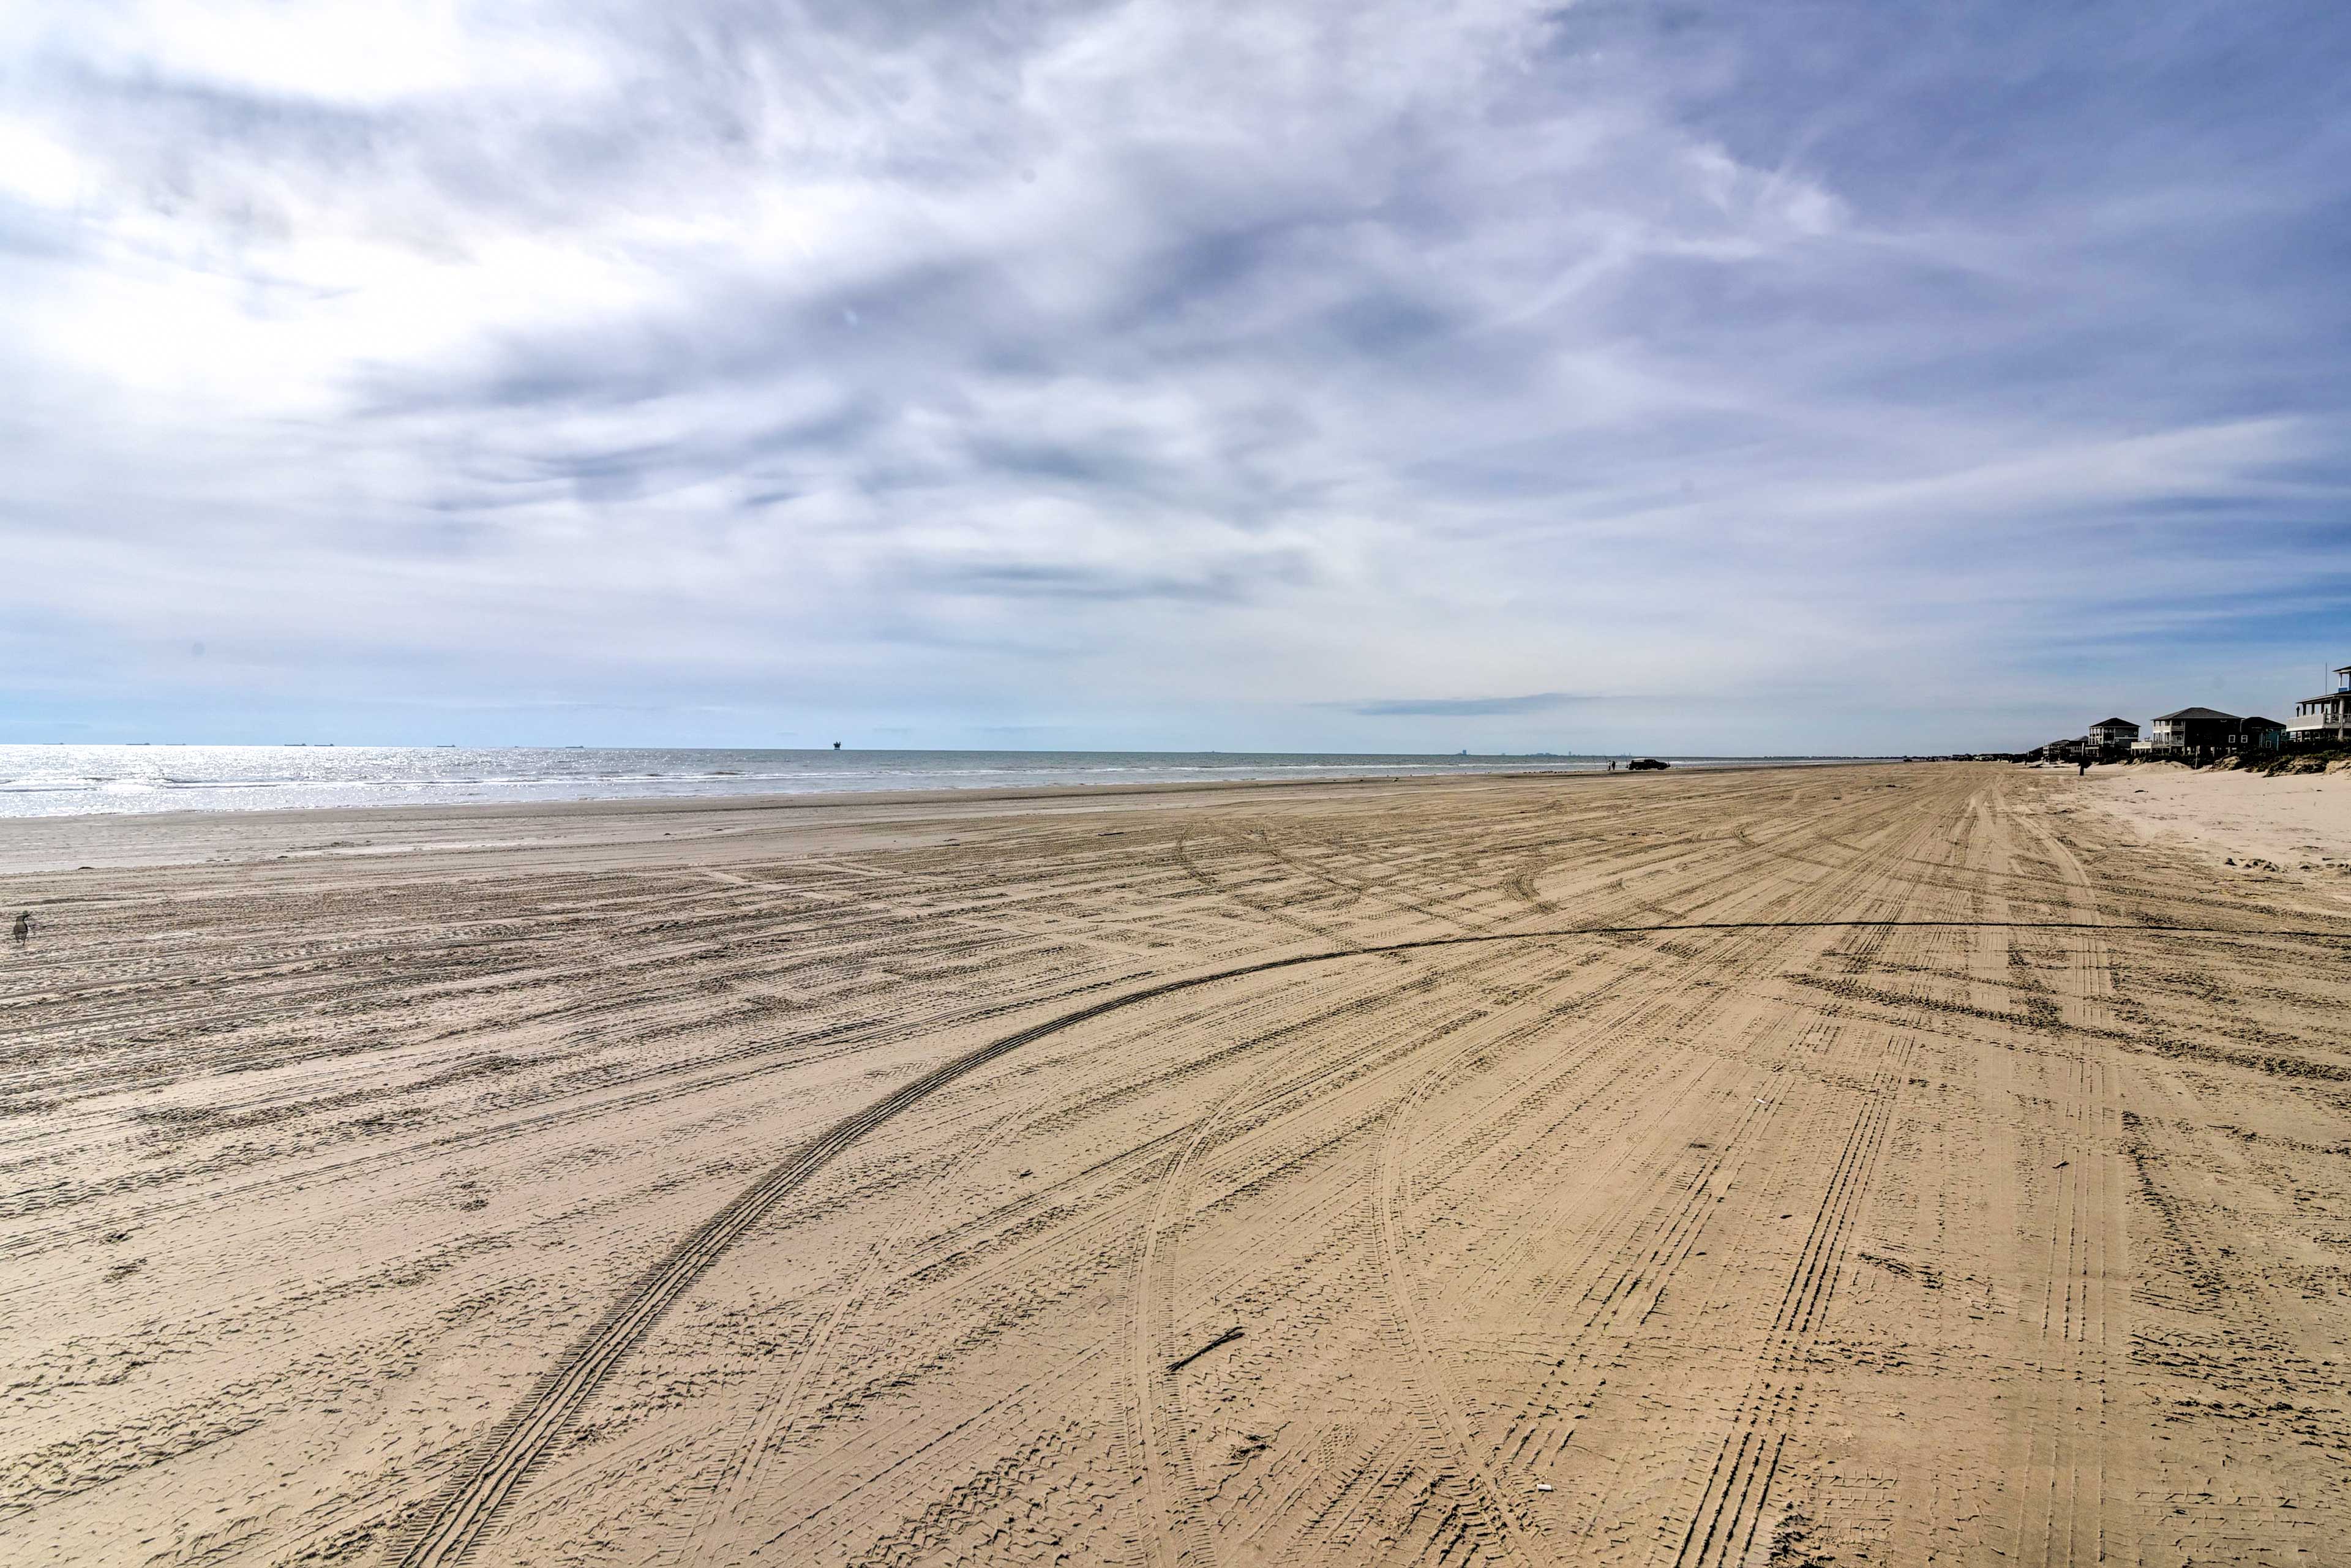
<point>1876,1165</point>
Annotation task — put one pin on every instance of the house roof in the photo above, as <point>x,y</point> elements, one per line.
<point>2113,723</point>
<point>2257,722</point>
<point>2211,714</point>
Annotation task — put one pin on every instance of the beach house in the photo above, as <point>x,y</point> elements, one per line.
<point>2257,734</point>
<point>2110,736</point>
<point>2325,719</point>
<point>2190,730</point>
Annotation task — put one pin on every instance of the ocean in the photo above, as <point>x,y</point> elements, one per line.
<point>73,780</point>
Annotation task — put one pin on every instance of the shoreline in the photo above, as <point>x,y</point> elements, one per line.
<point>138,782</point>
<point>101,841</point>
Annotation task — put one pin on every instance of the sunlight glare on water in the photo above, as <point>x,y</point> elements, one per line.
<point>69,780</point>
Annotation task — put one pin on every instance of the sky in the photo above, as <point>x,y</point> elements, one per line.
<point>1826,376</point>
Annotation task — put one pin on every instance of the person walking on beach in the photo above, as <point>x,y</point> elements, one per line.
<point>2085,764</point>
<point>23,931</point>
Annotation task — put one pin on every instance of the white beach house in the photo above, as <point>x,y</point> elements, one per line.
<point>2325,718</point>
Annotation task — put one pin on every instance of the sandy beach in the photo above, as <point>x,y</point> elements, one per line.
<point>2292,825</point>
<point>1870,1165</point>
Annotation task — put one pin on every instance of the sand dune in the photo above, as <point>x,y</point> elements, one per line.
<point>1871,1165</point>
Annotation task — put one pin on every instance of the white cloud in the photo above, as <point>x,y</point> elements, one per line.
<point>333,51</point>
<point>1114,360</point>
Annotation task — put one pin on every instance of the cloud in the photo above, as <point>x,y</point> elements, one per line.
<point>1231,578</point>
<point>1465,707</point>
<point>1161,373</point>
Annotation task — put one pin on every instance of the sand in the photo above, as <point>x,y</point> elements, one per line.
<point>1873,1165</point>
<point>2295,825</point>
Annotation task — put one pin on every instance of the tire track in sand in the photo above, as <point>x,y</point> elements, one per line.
<point>2063,1512</point>
<point>518,1444</point>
